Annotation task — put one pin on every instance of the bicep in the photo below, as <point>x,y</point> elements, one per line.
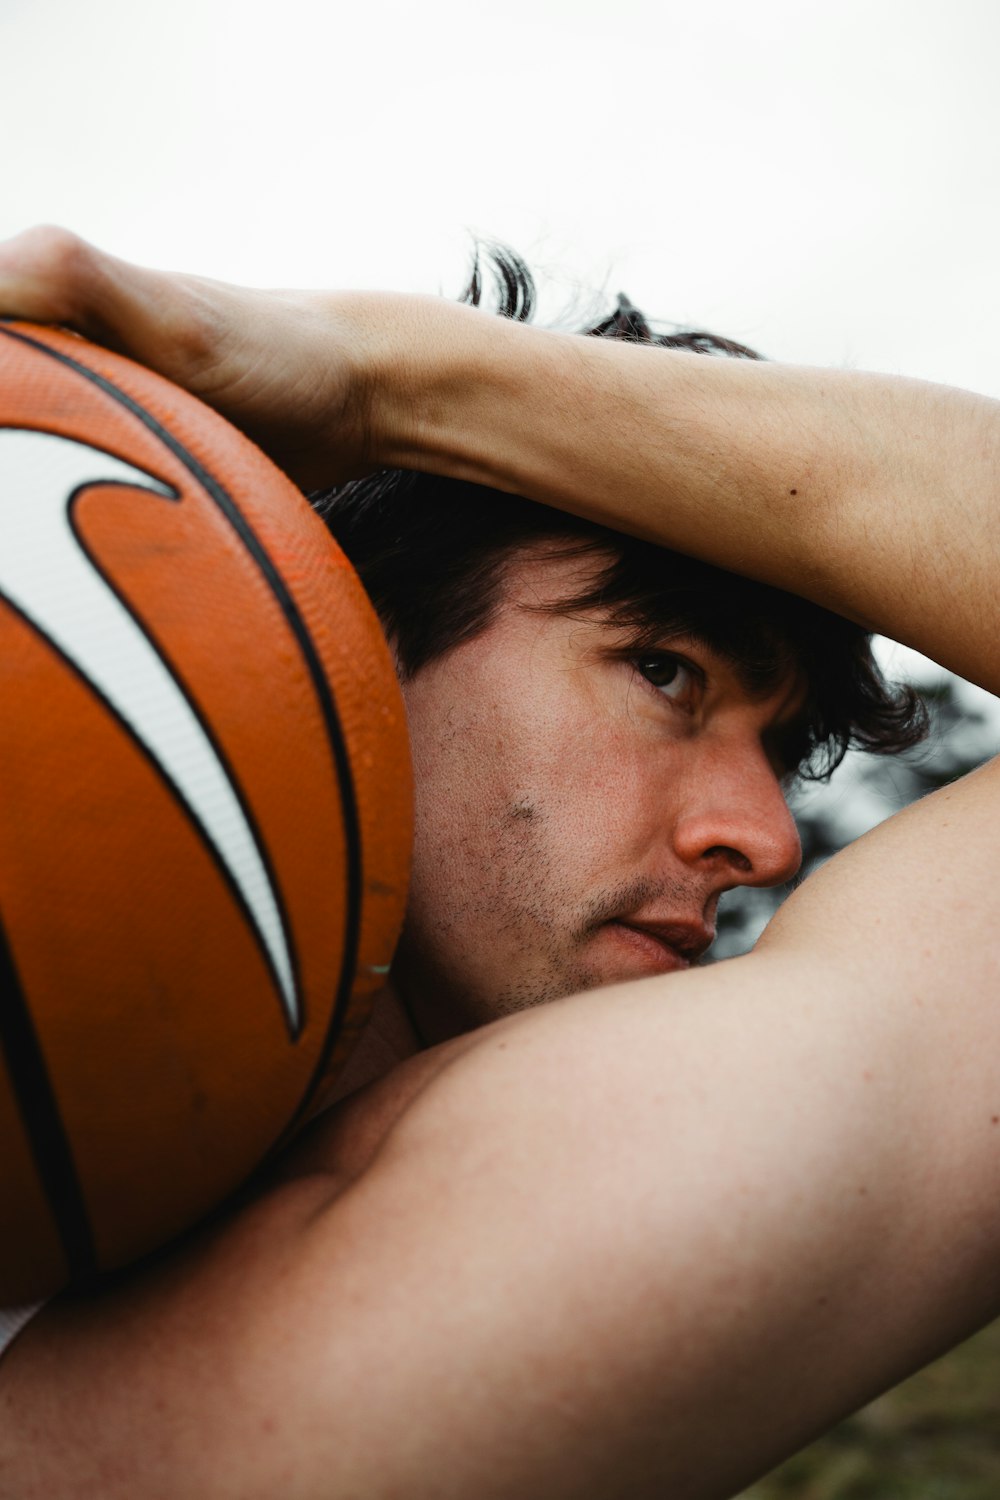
<point>670,1231</point>
<point>648,1239</point>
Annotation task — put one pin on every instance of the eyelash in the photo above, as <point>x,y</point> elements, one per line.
<point>652,663</point>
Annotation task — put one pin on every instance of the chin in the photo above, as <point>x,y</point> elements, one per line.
<point>613,955</point>
<point>614,960</point>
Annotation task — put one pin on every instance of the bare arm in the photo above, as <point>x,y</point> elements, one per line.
<point>641,1242</point>
<point>876,496</point>
<point>644,1241</point>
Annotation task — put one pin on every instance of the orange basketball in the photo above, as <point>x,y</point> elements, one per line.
<point>206,810</point>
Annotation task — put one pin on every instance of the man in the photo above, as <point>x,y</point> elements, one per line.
<point>649,1239</point>
<point>514,899</point>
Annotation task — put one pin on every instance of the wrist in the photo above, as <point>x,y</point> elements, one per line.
<point>442,387</point>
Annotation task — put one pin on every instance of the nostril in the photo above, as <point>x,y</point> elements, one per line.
<point>731,856</point>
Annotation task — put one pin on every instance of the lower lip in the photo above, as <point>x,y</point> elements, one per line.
<point>643,952</point>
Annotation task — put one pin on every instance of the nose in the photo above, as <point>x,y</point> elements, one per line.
<point>736,822</point>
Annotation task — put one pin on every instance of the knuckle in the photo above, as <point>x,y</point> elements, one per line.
<point>58,253</point>
<point>53,267</point>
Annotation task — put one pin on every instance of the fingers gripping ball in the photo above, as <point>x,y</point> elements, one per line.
<point>206,809</point>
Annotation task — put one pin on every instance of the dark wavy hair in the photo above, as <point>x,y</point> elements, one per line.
<point>433,554</point>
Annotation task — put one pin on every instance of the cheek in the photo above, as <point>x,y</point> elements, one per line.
<point>463,791</point>
<point>605,838</point>
<point>591,802</point>
<point>527,786</point>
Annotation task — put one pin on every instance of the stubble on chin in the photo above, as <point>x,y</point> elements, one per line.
<point>557,946</point>
<point>538,931</point>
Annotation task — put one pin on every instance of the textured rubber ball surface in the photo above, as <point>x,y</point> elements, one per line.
<point>206,809</point>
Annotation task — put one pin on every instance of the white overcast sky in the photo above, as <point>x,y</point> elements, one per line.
<point>818,179</point>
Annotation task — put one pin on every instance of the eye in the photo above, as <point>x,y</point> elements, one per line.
<point>672,676</point>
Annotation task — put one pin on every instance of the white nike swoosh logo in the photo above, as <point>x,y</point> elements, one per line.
<point>48,576</point>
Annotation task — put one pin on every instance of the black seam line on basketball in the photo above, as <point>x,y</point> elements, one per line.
<point>294,1027</point>
<point>331,719</point>
<point>335,735</point>
<point>156,765</point>
<point>42,1121</point>
<point>230,512</point>
<point>220,863</point>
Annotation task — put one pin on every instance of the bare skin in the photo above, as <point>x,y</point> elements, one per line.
<point>846,487</point>
<point>580,807</point>
<point>650,1239</point>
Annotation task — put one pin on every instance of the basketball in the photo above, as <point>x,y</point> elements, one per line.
<point>206,818</point>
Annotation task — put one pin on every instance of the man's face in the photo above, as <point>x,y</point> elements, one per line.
<point>580,806</point>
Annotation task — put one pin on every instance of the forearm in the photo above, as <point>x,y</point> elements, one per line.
<point>876,496</point>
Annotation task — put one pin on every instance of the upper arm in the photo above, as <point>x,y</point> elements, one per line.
<point>649,1239</point>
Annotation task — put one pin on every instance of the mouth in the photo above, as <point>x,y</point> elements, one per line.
<point>659,947</point>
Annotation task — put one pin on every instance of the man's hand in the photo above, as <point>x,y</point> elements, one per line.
<point>294,370</point>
